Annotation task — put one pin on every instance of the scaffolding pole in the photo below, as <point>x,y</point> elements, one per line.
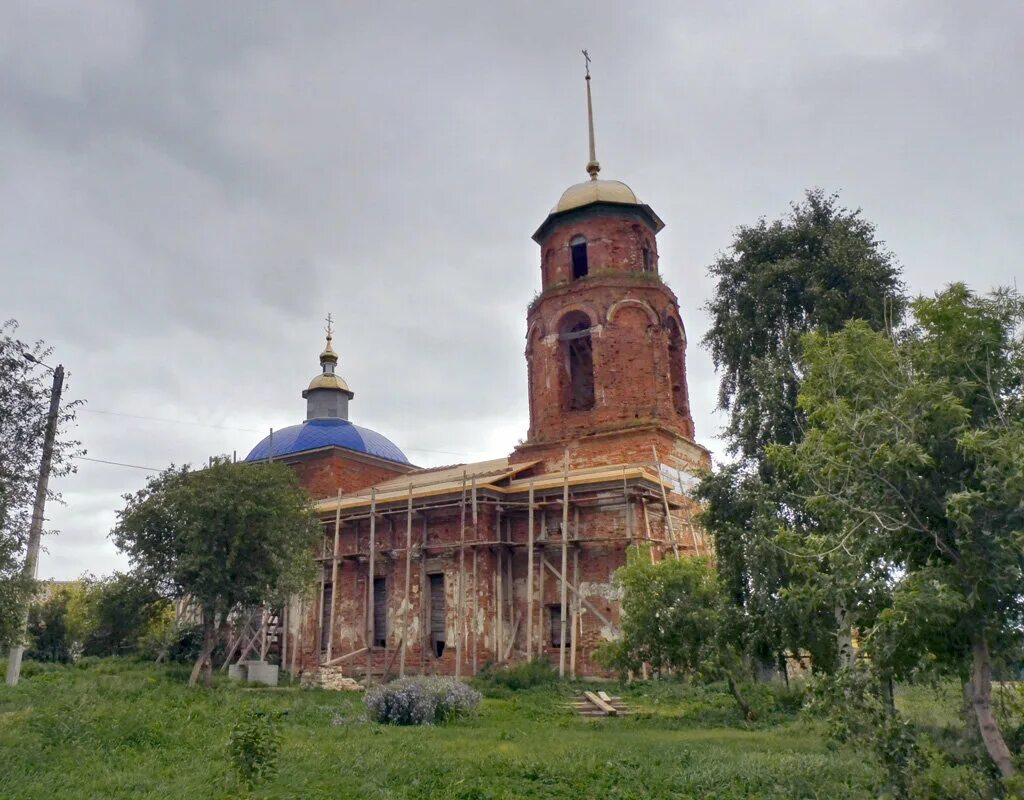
<point>529,581</point>
<point>575,611</point>
<point>334,579</point>
<point>424,611</point>
<point>474,597</point>
<point>369,588</point>
<point>565,558</point>
<point>407,607</point>
<point>461,605</point>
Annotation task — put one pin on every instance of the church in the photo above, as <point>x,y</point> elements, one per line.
<point>445,570</point>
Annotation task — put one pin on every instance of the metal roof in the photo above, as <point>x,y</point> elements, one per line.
<point>315,434</point>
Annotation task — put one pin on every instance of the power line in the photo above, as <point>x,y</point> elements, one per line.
<point>250,430</point>
<point>172,421</point>
<point>116,463</point>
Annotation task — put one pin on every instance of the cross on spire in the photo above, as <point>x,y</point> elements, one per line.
<point>330,326</point>
<point>593,166</point>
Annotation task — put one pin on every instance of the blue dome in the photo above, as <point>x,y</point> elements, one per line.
<point>316,433</point>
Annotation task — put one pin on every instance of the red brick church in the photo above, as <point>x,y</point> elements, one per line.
<point>443,570</point>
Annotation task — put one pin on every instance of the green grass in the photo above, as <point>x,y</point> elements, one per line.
<point>119,729</point>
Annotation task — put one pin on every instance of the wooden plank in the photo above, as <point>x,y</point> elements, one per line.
<point>606,707</point>
<point>529,580</point>
<point>583,600</point>
<point>346,657</point>
<point>540,598</point>
<point>565,558</point>
<point>604,696</point>
<point>664,498</point>
<point>511,639</point>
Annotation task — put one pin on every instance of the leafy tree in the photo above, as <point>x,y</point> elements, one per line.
<point>49,636</point>
<point>675,617</point>
<point>126,615</point>
<point>229,537</point>
<point>916,443</point>
<point>814,270</point>
<point>24,404</point>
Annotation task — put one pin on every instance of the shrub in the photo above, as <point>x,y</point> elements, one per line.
<point>253,746</point>
<point>538,672</point>
<point>421,701</point>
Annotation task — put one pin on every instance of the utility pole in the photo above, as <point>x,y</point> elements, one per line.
<point>35,531</point>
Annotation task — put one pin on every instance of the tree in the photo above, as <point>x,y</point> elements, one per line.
<point>24,403</point>
<point>814,270</point>
<point>126,614</point>
<point>229,537</point>
<point>916,443</point>
<point>675,617</point>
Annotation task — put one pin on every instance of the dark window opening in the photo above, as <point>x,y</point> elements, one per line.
<point>578,249</point>
<point>648,262</point>
<point>677,368</point>
<point>578,394</point>
<point>437,614</point>
<point>555,615</point>
<point>325,615</point>
<point>380,612</point>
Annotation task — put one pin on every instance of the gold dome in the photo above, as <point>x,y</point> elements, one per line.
<point>328,381</point>
<point>595,191</point>
<point>328,354</point>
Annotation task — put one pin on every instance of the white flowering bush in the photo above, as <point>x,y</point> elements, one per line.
<point>421,701</point>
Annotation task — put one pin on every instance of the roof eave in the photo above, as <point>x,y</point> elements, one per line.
<point>641,210</point>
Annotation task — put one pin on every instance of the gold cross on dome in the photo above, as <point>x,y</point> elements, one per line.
<point>330,326</point>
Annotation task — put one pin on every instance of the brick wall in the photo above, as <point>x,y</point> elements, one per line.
<point>324,473</point>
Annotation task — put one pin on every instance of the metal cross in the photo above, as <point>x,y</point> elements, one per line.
<point>330,325</point>
<point>586,57</point>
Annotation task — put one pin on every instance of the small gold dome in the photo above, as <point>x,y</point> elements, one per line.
<point>328,381</point>
<point>583,194</point>
<point>328,354</point>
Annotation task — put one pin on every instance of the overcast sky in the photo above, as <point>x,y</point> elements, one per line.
<point>187,188</point>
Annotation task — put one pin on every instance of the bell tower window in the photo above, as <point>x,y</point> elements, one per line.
<point>648,263</point>
<point>677,368</point>
<point>578,359</point>
<point>578,249</point>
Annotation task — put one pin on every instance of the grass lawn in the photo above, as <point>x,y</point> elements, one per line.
<point>119,729</point>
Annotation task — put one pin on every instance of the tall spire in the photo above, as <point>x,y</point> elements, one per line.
<point>593,166</point>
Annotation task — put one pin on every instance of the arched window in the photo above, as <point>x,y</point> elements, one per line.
<point>677,368</point>
<point>578,360</point>
<point>578,249</point>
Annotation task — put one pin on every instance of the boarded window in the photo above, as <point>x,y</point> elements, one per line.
<point>578,355</point>
<point>578,249</point>
<point>380,612</point>
<point>555,614</point>
<point>437,614</point>
<point>677,368</point>
<point>325,615</point>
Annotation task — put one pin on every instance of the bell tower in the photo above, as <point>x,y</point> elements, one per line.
<point>605,343</point>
